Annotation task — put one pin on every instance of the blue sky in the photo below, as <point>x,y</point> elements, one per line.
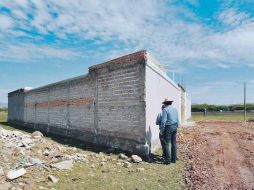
<point>210,43</point>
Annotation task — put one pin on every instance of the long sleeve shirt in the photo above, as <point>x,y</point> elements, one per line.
<point>159,119</point>
<point>169,117</point>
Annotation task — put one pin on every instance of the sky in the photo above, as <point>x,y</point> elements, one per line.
<point>208,43</point>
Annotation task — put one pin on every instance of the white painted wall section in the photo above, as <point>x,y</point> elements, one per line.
<point>158,87</point>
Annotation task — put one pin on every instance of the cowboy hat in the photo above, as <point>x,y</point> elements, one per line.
<point>167,100</point>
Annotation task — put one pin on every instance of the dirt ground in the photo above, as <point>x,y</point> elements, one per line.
<point>219,155</point>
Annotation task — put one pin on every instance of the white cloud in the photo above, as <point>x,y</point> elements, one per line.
<point>28,52</point>
<point>5,22</point>
<point>232,17</point>
<point>193,2</point>
<point>146,24</point>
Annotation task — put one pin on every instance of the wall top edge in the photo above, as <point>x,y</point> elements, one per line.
<point>153,64</point>
<point>20,90</point>
<point>136,56</point>
<point>57,83</point>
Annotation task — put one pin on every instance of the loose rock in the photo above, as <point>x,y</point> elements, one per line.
<point>13,174</point>
<point>27,141</point>
<point>136,159</point>
<point>78,157</point>
<point>140,169</point>
<point>53,179</point>
<point>1,171</point>
<point>35,161</point>
<point>37,135</point>
<point>45,153</point>
<point>123,156</point>
<point>64,165</point>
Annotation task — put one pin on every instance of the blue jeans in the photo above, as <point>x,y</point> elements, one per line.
<point>169,136</point>
<point>161,140</point>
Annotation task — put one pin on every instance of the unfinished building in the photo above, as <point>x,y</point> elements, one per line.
<point>114,105</point>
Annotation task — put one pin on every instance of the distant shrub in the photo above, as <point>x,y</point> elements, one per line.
<point>4,109</point>
<point>234,107</point>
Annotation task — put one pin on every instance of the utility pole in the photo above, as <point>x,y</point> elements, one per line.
<point>244,101</point>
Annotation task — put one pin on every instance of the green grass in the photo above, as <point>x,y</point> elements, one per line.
<point>155,176</point>
<point>221,116</point>
<point>3,121</point>
<point>111,176</point>
<point>3,116</point>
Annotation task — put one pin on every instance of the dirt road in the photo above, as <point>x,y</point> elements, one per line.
<point>220,155</point>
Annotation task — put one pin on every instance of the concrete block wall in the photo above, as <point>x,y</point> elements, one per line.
<point>81,108</point>
<point>61,106</point>
<point>120,108</point>
<point>114,105</point>
<point>16,105</point>
<point>104,107</point>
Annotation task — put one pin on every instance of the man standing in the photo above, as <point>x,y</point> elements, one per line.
<point>204,111</point>
<point>168,130</point>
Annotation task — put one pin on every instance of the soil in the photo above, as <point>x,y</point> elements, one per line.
<point>219,155</point>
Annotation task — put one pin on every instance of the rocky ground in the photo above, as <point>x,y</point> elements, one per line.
<point>30,161</point>
<point>219,155</point>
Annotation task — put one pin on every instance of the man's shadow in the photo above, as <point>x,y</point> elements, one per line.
<point>153,157</point>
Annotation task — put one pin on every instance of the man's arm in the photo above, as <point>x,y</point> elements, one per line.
<point>158,119</point>
<point>164,119</point>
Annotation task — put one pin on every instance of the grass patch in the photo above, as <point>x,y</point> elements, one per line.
<point>3,116</point>
<point>221,116</point>
<point>155,176</point>
<point>3,120</point>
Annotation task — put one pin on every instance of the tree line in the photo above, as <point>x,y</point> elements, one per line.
<point>3,109</point>
<point>234,107</point>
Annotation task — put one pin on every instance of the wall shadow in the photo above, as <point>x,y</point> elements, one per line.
<point>68,141</point>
